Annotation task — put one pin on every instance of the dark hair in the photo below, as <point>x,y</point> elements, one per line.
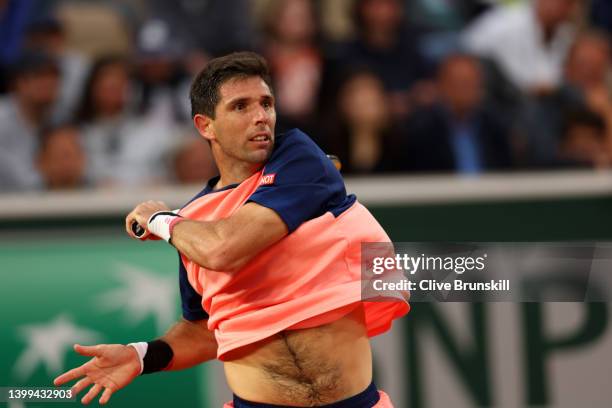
<point>87,109</point>
<point>205,88</point>
<point>45,25</point>
<point>357,14</point>
<point>32,62</point>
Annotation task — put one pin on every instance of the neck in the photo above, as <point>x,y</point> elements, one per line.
<point>233,171</point>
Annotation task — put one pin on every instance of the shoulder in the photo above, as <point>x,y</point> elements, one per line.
<point>294,147</point>
<point>497,24</point>
<point>294,138</point>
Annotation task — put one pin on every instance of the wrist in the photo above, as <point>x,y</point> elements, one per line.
<point>154,356</point>
<point>162,223</point>
<point>141,351</point>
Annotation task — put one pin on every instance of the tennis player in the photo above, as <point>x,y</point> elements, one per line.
<point>270,264</point>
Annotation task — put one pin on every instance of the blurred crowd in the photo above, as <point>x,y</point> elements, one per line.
<point>95,93</point>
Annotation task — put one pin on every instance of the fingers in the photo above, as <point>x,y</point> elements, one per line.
<point>129,220</point>
<point>91,394</point>
<point>141,214</point>
<point>128,225</point>
<point>81,385</point>
<point>88,351</point>
<point>106,396</point>
<point>70,375</point>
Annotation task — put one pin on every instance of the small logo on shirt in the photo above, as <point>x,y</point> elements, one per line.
<point>267,179</point>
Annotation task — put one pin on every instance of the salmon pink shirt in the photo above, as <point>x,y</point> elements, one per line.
<point>310,277</point>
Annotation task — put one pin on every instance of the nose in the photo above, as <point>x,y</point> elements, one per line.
<point>262,115</point>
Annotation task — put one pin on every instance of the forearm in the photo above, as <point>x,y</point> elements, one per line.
<point>204,243</point>
<point>191,342</point>
<point>223,245</point>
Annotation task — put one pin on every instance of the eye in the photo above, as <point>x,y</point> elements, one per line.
<point>267,104</point>
<point>240,106</point>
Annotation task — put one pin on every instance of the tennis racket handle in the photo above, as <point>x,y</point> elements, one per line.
<point>138,230</point>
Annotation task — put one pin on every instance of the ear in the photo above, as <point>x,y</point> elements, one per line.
<point>204,126</point>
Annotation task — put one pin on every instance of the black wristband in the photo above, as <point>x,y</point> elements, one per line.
<point>159,355</point>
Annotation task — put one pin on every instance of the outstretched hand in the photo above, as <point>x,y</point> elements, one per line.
<point>112,367</point>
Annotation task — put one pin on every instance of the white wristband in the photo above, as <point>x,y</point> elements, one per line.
<point>141,349</point>
<point>159,224</point>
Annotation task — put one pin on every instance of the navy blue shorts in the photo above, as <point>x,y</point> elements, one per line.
<point>365,399</point>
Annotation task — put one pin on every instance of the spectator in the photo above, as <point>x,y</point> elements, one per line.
<point>361,130</point>
<point>387,46</point>
<point>295,60</point>
<point>528,41</point>
<point>218,27</point>
<point>459,133</point>
<point>583,142</point>
<point>162,85</point>
<point>61,160</point>
<point>34,88</point>
<point>589,62</point>
<point>193,162</point>
<point>584,87</point>
<point>588,70</point>
<point>48,34</point>
<point>122,149</point>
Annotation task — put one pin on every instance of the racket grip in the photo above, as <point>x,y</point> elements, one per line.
<point>138,230</point>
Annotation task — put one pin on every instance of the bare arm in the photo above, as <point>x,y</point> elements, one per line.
<point>223,245</point>
<point>191,342</point>
<point>113,366</point>
<point>228,244</point>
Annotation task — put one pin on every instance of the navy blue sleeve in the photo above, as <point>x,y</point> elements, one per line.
<point>191,301</point>
<point>300,183</point>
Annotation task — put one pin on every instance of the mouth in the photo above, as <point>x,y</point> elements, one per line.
<point>261,137</point>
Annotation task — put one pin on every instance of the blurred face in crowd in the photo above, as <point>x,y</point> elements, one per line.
<point>243,128</point>
<point>110,90</point>
<point>460,85</point>
<point>193,162</point>
<point>38,89</point>
<point>294,21</point>
<point>589,62</point>
<point>363,102</point>
<point>61,160</point>
<point>381,14</point>
<point>551,13</point>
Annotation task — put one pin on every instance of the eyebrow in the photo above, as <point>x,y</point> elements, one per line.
<point>243,99</point>
<point>246,99</point>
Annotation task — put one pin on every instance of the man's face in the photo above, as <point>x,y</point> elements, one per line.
<point>62,161</point>
<point>244,122</point>
<point>588,63</point>
<point>39,88</point>
<point>460,84</point>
